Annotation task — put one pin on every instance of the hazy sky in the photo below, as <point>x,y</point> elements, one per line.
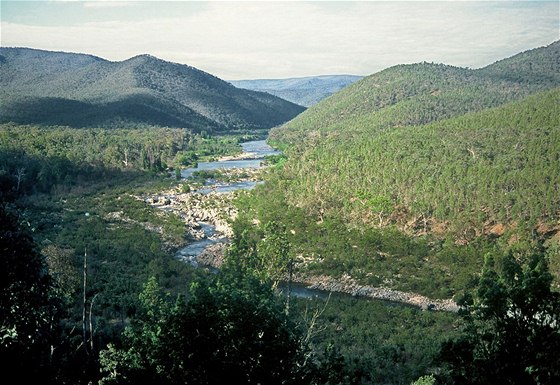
<point>265,39</point>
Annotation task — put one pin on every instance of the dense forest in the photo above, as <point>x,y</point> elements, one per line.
<point>40,159</point>
<point>466,174</point>
<point>429,179</point>
<point>58,88</point>
<point>416,94</point>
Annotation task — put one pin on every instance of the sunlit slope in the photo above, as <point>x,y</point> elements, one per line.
<point>483,172</point>
<point>421,93</point>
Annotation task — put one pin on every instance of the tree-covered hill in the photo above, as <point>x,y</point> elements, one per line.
<point>56,88</point>
<point>416,208</point>
<point>369,154</point>
<point>465,161</point>
<point>536,66</point>
<point>421,93</point>
<point>470,173</point>
<point>305,91</point>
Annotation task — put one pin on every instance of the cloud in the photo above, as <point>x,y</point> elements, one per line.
<point>107,4</point>
<point>284,39</point>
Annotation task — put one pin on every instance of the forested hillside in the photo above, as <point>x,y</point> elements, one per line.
<point>306,91</point>
<point>498,166</point>
<point>415,94</point>
<point>416,208</point>
<point>54,88</point>
<point>409,177</point>
<point>368,155</point>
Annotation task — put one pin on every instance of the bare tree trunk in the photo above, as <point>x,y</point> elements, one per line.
<point>20,174</point>
<point>290,271</point>
<point>84,331</point>
<point>125,161</point>
<point>91,323</point>
<point>310,331</point>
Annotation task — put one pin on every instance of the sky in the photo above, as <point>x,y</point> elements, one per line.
<point>283,39</point>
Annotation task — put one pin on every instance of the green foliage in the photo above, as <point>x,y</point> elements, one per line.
<point>202,176</point>
<point>432,140</point>
<point>126,241</point>
<point>185,188</point>
<point>63,269</point>
<point>28,309</point>
<point>465,175</point>
<point>34,159</point>
<point>425,380</point>
<point>91,209</point>
<point>230,327</point>
<point>416,94</point>
<point>273,251</point>
<point>386,256</point>
<point>264,254</point>
<point>188,159</point>
<point>512,329</point>
<point>54,88</point>
<point>359,341</point>
<point>276,160</point>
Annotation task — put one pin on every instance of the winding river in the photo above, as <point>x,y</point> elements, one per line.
<point>254,153</point>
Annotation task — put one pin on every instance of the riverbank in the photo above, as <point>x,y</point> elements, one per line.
<point>213,256</point>
<point>209,211</point>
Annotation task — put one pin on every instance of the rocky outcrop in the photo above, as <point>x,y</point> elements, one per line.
<point>348,285</point>
<point>213,255</point>
<point>214,208</point>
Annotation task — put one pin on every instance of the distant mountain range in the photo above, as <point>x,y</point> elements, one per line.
<point>305,91</point>
<point>57,88</point>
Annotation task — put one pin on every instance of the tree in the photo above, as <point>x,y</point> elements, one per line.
<point>425,380</point>
<point>512,326</point>
<point>27,310</point>
<point>273,253</point>
<point>231,327</point>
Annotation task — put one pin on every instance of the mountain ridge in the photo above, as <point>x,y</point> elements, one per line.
<point>142,90</point>
<point>305,91</point>
<point>411,94</point>
<point>348,142</point>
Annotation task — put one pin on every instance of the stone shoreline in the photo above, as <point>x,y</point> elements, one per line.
<point>218,210</point>
<point>213,257</point>
<point>348,285</point>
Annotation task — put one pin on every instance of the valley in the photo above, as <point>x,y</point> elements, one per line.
<point>392,230</point>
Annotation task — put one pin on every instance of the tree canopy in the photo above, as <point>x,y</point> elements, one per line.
<point>512,326</point>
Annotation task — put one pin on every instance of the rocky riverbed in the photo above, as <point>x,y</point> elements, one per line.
<point>193,208</point>
<point>198,210</point>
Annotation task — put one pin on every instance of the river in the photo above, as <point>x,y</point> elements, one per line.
<point>254,153</point>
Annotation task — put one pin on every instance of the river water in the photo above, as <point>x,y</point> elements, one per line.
<point>256,152</point>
